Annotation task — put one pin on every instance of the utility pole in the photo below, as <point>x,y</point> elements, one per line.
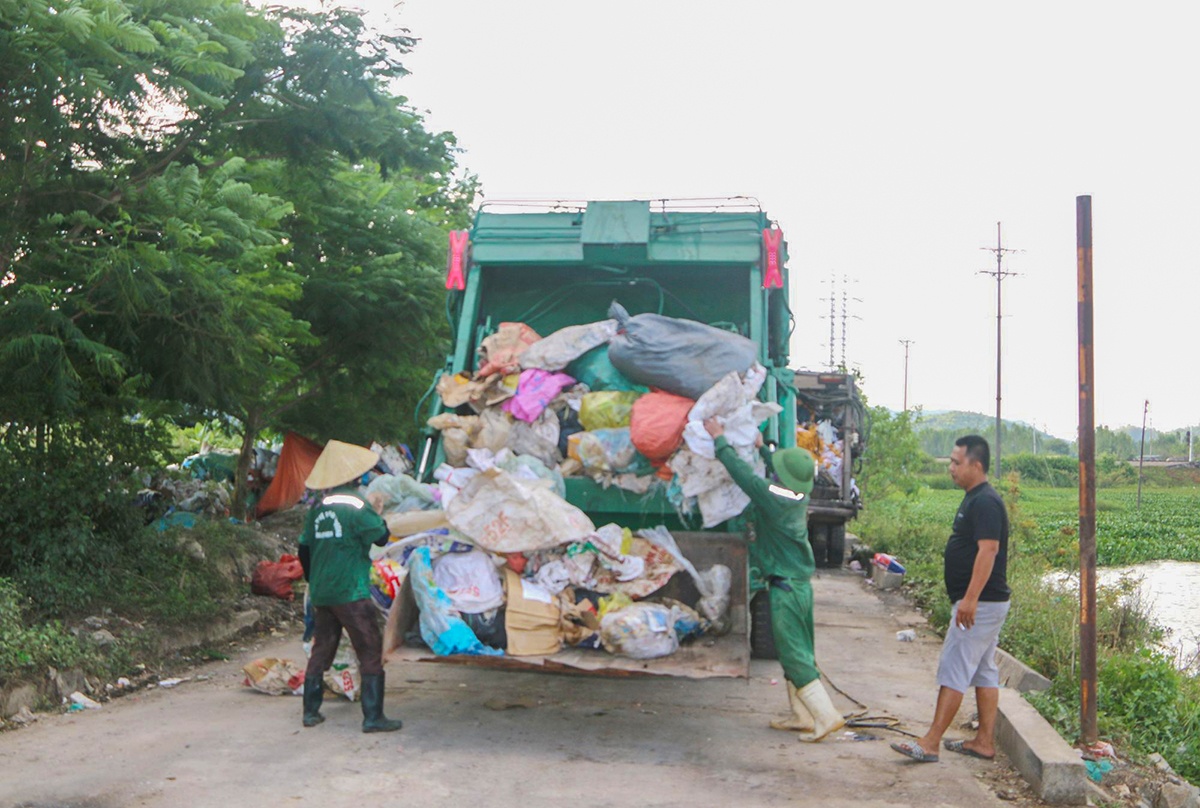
<point>906,343</point>
<point>1142,452</point>
<point>832,318</point>
<point>999,273</point>
<point>1087,475</point>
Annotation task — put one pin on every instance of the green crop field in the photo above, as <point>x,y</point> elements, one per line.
<point>1046,523</point>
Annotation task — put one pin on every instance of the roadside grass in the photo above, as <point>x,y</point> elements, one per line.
<point>149,579</point>
<point>1146,704</point>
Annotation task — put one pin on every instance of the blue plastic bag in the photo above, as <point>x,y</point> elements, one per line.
<point>442,628</point>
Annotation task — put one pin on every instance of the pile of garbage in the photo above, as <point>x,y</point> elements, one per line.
<point>497,561</point>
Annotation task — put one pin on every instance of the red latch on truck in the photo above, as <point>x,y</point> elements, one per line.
<point>772,273</point>
<point>456,265</point>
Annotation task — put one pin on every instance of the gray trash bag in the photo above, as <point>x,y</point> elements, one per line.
<point>683,357</point>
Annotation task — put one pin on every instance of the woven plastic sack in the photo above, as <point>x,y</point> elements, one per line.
<point>566,345</point>
<point>504,514</point>
<point>656,424</point>
<point>500,352</point>
<point>607,409</point>
<point>471,581</point>
<point>680,356</point>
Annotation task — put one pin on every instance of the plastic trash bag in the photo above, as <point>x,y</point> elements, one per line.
<point>500,352</point>
<point>537,439</point>
<point>529,467</point>
<point>714,584</point>
<point>680,356</point>
<point>640,631</point>
<point>609,450</point>
<point>535,391</point>
<point>596,370</point>
<point>607,409</point>
<point>656,424</point>
<point>504,514</point>
<point>275,578</point>
<point>442,628</point>
<point>395,493</point>
<point>471,581</point>
<point>564,346</point>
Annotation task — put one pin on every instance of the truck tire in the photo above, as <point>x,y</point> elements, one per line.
<point>818,537</point>
<point>762,638</point>
<point>836,545</point>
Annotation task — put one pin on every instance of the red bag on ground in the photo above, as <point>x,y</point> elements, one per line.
<point>657,422</point>
<point>274,578</point>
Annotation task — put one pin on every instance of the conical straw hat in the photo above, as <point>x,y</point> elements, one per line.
<point>340,463</point>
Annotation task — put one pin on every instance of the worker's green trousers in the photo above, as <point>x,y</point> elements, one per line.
<point>792,625</point>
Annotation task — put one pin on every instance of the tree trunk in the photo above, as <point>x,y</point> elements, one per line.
<point>241,488</point>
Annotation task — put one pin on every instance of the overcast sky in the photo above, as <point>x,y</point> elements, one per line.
<point>887,139</point>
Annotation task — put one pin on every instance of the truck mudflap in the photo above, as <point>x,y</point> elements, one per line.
<point>706,657</point>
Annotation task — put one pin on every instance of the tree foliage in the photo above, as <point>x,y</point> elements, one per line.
<point>210,210</point>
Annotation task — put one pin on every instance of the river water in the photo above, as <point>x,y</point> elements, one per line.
<point>1171,589</point>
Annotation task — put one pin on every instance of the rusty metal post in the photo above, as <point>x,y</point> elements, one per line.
<point>1087,477</point>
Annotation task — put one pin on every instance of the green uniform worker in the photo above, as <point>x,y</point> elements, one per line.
<point>335,552</point>
<point>782,554</point>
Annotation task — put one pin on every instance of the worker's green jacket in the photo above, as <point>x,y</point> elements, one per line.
<point>780,517</point>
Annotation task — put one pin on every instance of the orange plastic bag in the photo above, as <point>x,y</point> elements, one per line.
<point>275,578</point>
<point>657,423</point>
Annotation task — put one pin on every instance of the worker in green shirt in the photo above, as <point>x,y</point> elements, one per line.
<point>781,552</point>
<point>335,553</point>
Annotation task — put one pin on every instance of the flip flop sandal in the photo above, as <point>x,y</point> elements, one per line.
<point>957,746</point>
<point>914,751</point>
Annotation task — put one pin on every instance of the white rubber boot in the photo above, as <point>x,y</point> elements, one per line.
<point>801,719</point>
<point>825,716</point>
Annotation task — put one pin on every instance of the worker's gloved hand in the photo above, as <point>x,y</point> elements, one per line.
<point>713,427</point>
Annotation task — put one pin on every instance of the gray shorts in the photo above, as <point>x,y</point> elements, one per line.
<point>969,657</point>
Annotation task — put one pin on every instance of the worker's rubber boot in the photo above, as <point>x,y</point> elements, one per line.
<point>826,718</point>
<point>372,706</point>
<point>801,719</point>
<point>314,693</point>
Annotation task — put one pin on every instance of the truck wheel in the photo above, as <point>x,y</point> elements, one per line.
<point>836,545</point>
<point>762,638</point>
<point>818,537</point>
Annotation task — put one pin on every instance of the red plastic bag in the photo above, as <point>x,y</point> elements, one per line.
<point>275,578</point>
<point>657,422</point>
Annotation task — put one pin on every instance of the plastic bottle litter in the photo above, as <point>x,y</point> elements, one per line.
<point>82,702</point>
<point>888,563</point>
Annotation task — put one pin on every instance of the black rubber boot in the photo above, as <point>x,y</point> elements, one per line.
<point>314,693</point>
<point>372,706</point>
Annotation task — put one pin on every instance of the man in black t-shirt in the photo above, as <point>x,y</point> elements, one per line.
<point>975,572</point>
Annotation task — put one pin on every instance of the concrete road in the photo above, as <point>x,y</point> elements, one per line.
<point>475,737</point>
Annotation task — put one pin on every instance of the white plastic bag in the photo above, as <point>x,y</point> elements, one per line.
<point>471,580</point>
<point>714,583</point>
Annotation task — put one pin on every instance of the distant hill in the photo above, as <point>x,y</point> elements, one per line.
<point>938,430</point>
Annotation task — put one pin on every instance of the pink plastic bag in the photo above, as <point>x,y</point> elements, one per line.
<point>536,389</point>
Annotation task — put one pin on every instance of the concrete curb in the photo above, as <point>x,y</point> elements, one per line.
<point>1045,760</point>
<point>1016,674</point>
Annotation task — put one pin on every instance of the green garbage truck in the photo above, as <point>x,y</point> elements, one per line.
<point>720,262</point>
